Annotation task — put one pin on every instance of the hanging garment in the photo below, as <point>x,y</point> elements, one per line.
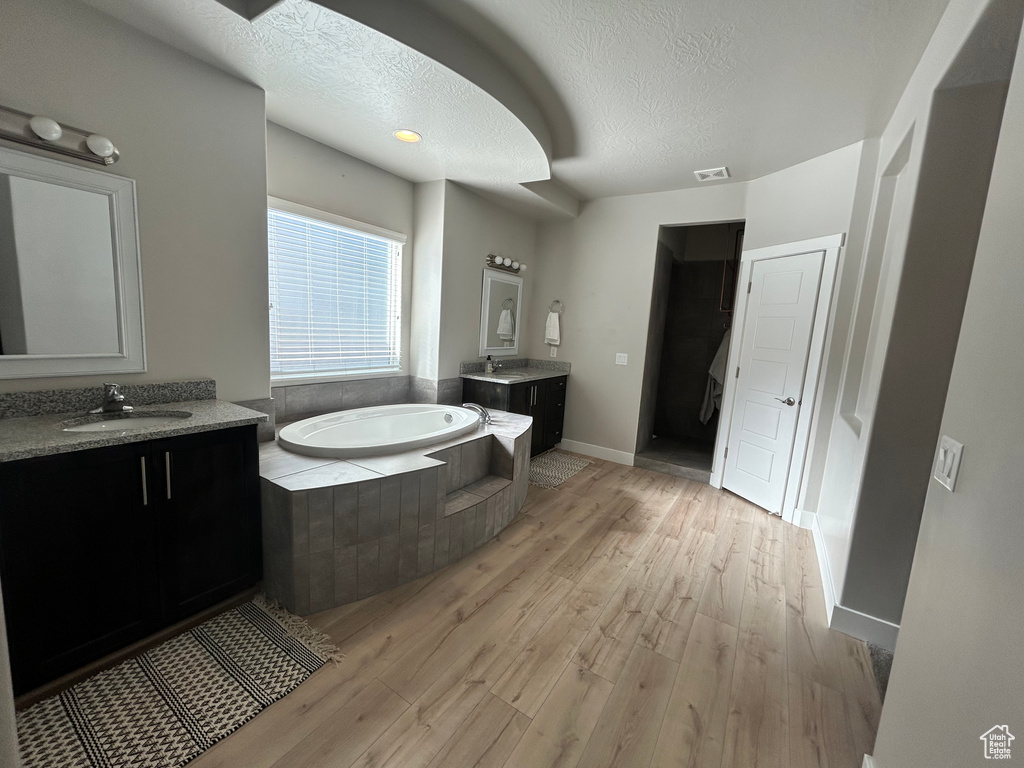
<point>716,381</point>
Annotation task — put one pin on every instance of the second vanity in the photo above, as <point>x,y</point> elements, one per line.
<point>531,391</point>
<point>109,536</point>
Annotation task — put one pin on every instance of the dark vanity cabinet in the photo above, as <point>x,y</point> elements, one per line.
<point>543,399</point>
<point>102,547</point>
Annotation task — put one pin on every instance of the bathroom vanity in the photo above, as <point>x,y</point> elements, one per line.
<point>535,392</point>
<point>106,538</point>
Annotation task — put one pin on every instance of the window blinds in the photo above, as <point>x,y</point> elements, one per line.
<point>335,298</point>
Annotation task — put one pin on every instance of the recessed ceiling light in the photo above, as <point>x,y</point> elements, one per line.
<point>408,136</point>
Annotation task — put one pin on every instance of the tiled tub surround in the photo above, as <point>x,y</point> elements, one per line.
<point>298,401</point>
<point>31,436</point>
<point>336,531</point>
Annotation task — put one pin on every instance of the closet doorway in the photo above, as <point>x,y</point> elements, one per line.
<point>694,291</point>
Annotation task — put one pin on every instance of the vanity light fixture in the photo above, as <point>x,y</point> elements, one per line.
<point>100,146</point>
<point>504,263</point>
<point>409,137</point>
<point>45,133</point>
<point>45,128</point>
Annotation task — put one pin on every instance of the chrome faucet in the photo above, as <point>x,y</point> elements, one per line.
<point>497,365</point>
<point>479,409</point>
<point>113,400</point>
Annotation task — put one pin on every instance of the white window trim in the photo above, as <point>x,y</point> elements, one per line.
<point>342,221</point>
<point>298,209</point>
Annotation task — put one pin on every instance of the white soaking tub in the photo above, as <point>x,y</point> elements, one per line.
<point>377,430</point>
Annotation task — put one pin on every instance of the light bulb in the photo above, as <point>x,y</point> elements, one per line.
<point>409,137</point>
<point>515,265</point>
<point>100,145</point>
<point>45,128</point>
<point>522,267</point>
<point>507,261</point>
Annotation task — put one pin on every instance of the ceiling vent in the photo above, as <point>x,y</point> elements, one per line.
<point>712,174</point>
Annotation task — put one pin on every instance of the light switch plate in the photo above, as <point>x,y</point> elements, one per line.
<point>621,358</point>
<point>554,351</point>
<point>947,461</point>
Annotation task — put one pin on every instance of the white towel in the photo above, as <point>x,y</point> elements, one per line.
<point>552,335</point>
<point>716,381</point>
<point>506,328</point>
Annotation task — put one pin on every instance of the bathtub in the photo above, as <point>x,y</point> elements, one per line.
<point>377,430</point>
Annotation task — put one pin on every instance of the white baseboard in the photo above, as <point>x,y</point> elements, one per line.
<point>868,628</point>
<point>846,620</point>
<point>598,452</point>
<point>828,586</point>
<point>868,762</point>
<point>804,519</point>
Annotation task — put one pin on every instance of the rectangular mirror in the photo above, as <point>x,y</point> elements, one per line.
<point>500,309</point>
<point>70,282</point>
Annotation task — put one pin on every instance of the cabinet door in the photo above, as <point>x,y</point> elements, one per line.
<point>77,559</point>
<point>538,401</point>
<point>520,398</point>
<point>209,522</point>
<point>554,412</point>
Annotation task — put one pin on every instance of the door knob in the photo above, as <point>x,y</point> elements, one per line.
<point>787,401</point>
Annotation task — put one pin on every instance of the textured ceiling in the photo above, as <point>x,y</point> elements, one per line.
<point>632,95</point>
<point>659,88</point>
<point>349,86</point>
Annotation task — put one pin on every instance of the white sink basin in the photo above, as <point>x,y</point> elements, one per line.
<point>122,423</point>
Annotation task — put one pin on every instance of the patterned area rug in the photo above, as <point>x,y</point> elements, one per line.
<point>165,707</point>
<point>551,469</point>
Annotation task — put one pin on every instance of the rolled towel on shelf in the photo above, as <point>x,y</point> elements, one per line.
<point>506,326</point>
<point>552,333</point>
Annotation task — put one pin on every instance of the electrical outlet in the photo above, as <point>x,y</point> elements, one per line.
<point>554,351</point>
<point>621,358</point>
<point>947,462</point>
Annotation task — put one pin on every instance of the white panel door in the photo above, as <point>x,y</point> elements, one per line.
<point>773,359</point>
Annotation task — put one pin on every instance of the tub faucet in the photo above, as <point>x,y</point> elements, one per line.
<point>113,400</point>
<point>479,409</point>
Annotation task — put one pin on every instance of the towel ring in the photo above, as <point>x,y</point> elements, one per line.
<point>508,304</point>
<point>555,306</point>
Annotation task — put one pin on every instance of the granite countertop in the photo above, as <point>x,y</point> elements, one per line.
<point>515,375</point>
<point>31,436</point>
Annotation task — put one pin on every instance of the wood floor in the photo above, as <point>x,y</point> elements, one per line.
<point>627,618</point>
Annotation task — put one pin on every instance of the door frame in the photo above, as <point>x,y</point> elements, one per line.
<point>830,244</point>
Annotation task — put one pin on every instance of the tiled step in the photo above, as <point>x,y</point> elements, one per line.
<point>474,493</point>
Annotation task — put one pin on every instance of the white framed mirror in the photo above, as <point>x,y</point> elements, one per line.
<point>500,310</point>
<point>70,277</point>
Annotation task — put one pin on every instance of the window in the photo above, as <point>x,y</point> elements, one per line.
<point>335,294</point>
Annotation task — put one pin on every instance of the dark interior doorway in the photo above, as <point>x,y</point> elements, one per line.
<point>691,314</point>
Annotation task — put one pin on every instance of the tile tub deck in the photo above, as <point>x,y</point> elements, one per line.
<point>339,530</point>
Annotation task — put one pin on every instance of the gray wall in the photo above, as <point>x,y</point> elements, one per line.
<point>950,200</point>
<point>194,139</point>
<point>473,228</point>
<point>958,667</point>
<point>933,162</point>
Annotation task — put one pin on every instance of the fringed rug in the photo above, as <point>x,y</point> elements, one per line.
<point>165,707</point>
<point>551,469</point>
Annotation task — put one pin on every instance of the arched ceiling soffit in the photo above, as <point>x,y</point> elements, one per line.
<point>348,85</point>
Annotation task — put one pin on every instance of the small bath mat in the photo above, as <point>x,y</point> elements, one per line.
<point>165,707</point>
<point>551,469</point>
